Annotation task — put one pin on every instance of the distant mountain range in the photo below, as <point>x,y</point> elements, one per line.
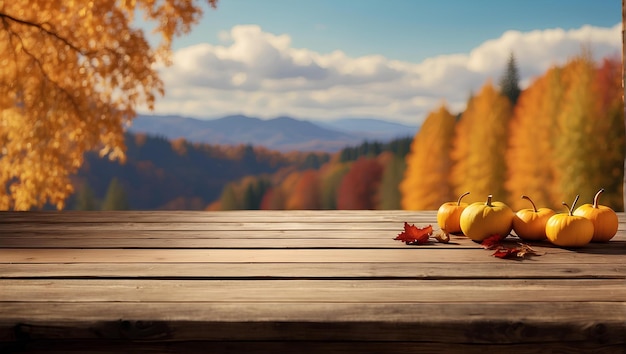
<point>282,133</point>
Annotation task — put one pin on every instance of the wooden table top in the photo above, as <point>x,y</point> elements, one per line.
<point>295,281</point>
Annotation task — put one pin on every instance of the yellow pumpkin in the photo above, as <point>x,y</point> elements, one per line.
<point>481,220</point>
<point>530,224</point>
<point>569,230</point>
<point>449,214</point>
<point>604,219</point>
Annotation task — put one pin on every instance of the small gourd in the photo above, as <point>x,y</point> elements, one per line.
<point>569,230</point>
<point>481,220</point>
<point>604,219</point>
<point>530,224</point>
<point>449,215</point>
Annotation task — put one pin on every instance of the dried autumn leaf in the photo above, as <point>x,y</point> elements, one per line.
<point>515,252</point>
<point>492,242</point>
<point>503,252</point>
<point>413,235</point>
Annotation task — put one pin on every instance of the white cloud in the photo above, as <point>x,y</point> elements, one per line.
<point>261,74</point>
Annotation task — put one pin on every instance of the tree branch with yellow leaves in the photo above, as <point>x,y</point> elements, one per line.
<point>71,75</point>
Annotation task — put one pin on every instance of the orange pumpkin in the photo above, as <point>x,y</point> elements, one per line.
<point>449,214</point>
<point>481,220</point>
<point>530,224</point>
<point>568,230</point>
<point>604,219</point>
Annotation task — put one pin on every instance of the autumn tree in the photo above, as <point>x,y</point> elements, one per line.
<point>359,187</point>
<point>244,194</point>
<point>393,174</point>
<point>609,107</point>
<point>460,149</point>
<point>531,151</point>
<point>306,192</point>
<point>426,180</point>
<point>331,176</point>
<point>587,159</point>
<point>479,162</point>
<point>72,74</point>
<point>509,83</point>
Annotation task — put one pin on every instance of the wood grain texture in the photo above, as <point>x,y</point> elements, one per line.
<point>304,270</point>
<point>295,281</point>
<point>307,291</point>
<point>464,321</point>
<point>404,255</point>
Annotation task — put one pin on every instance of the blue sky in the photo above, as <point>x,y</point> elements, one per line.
<point>394,59</point>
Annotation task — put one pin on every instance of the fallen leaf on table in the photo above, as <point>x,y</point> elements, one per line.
<point>413,235</point>
<point>515,252</point>
<point>492,242</point>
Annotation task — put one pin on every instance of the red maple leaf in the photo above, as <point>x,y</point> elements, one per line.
<point>504,252</point>
<point>492,242</point>
<point>515,252</point>
<point>413,235</point>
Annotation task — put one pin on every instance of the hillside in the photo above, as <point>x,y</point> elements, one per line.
<point>163,174</point>
<point>281,133</point>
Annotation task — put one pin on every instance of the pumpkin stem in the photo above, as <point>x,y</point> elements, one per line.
<point>597,196</point>
<point>458,203</point>
<point>489,200</point>
<point>571,210</point>
<point>531,202</point>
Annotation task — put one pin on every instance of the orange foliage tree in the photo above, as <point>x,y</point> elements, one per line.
<point>609,107</point>
<point>306,192</point>
<point>482,170</point>
<point>359,187</point>
<point>72,73</point>
<point>425,184</point>
<point>530,153</point>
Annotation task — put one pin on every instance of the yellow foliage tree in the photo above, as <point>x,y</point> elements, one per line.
<point>590,136</point>
<point>425,183</point>
<point>482,170</point>
<point>530,153</point>
<point>71,75</point>
<point>609,108</point>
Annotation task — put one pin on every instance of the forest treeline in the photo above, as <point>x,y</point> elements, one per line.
<point>561,136</point>
<point>164,174</point>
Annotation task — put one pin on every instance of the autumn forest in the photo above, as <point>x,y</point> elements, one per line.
<point>561,136</point>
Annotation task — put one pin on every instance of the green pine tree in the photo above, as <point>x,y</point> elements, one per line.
<point>509,84</point>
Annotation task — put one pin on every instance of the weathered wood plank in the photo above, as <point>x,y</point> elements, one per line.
<point>95,346</point>
<point>344,216</point>
<point>232,243</point>
<point>208,226</point>
<point>391,270</point>
<point>408,254</point>
<point>306,291</point>
<point>238,226</point>
<point>348,241</point>
<point>594,323</point>
<point>228,234</point>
